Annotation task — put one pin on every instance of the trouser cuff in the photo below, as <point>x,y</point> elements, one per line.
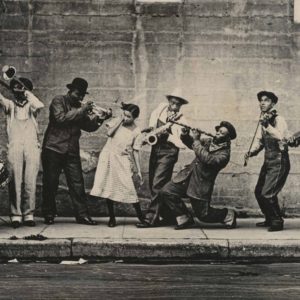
<point>16,218</point>
<point>28,218</point>
<point>182,219</point>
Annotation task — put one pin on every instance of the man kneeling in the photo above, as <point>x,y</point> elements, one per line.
<point>196,180</point>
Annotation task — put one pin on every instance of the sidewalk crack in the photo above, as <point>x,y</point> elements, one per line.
<point>206,237</point>
<point>71,247</point>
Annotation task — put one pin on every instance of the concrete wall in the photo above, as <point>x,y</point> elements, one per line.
<point>220,52</point>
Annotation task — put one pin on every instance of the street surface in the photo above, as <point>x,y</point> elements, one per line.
<point>135,281</point>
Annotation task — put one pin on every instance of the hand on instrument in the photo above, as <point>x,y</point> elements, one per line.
<point>248,155</point>
<point>108,114</point>
<point>87,107</point>
<point>195,134</point>
<point>264,122</point>
<point>292,141</point>
<point>147,130</point>
<point>185,131</point>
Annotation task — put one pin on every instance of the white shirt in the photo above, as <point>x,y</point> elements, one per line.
<point>21,113</point>
<point>161,113</point>
<point>279,132</point>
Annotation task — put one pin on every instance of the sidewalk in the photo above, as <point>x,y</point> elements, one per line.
<point>68,240</point>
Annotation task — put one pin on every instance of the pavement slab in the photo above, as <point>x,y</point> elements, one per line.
<point>247,230</point>
<point>132,232</point>
<point>67,239</point>
<point>68,228</point>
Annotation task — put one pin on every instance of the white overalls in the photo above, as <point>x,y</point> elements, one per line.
<point>23,155</point>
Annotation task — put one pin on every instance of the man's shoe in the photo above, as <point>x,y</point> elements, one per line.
<point>189,224</point>
<point>144,224</point>
<point>86,221</point>
<point>112,222</point>
<point>230,219</point>
<point>29,223</point>
<point>263,224</point>
<point>49,220</point>
<point>276,226</point>
<point>15,224</point>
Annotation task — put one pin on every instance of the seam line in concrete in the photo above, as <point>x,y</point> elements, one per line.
<point>206,237</point>
<point>71,247</point>
<point>228,249</point>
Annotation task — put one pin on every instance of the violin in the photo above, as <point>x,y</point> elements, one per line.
<point>268,118</point>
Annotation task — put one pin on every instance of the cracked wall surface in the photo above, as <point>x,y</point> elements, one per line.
<point>221,53</point>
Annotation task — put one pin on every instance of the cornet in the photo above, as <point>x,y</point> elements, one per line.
<point>99,111</point>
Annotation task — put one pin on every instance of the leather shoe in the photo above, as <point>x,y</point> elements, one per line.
<point>15,224</point>
<point>276,225</point>
<point>188,224</point>
<point>263,224</point>
<point>29,223</point>
<point>144,224</point>
<point>112,222</point>
<point>86,221</point>
<point>49,220</point>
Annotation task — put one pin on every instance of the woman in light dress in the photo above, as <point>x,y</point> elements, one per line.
<point>118,161</point>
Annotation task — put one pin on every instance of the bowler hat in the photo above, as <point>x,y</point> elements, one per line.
<point>177,95</point>
<point>230,128</point>
<point>25,81</point>
<point>270,95</point>
<point>79,84</point>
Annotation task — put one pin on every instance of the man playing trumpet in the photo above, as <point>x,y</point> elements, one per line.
<point>68,116</point>
<point>23,149</point>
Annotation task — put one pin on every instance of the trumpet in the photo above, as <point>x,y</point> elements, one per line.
<point>99,111</point>
<point>191,128</point>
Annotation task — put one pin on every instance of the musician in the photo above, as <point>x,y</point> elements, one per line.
<point>164,154</point>
<point>197,180</point>
<point>61,149</point>
<point>23,149</point>
<point>272,135</point>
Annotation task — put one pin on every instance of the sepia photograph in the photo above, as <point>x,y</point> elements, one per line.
<point>149,149</point>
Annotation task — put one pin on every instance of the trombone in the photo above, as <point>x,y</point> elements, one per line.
<point>9,73</point>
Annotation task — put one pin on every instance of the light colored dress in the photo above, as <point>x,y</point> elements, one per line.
<point>113,178</point>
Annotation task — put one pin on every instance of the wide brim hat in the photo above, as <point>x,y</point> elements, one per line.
<point>230,128</point>
<point>177,94</point>
<point>79,84</point>
<point>25,81</point>
<point>270,95</point>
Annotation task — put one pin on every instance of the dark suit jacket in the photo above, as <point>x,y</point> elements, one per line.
<point>65,124</point>
<point>202,172</point>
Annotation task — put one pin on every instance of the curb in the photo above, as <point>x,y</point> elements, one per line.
<point>160,249</point>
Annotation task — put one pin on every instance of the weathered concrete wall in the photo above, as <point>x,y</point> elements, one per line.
<point>221,52</point>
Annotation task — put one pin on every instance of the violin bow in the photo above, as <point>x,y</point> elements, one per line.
<point>246,159</point>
